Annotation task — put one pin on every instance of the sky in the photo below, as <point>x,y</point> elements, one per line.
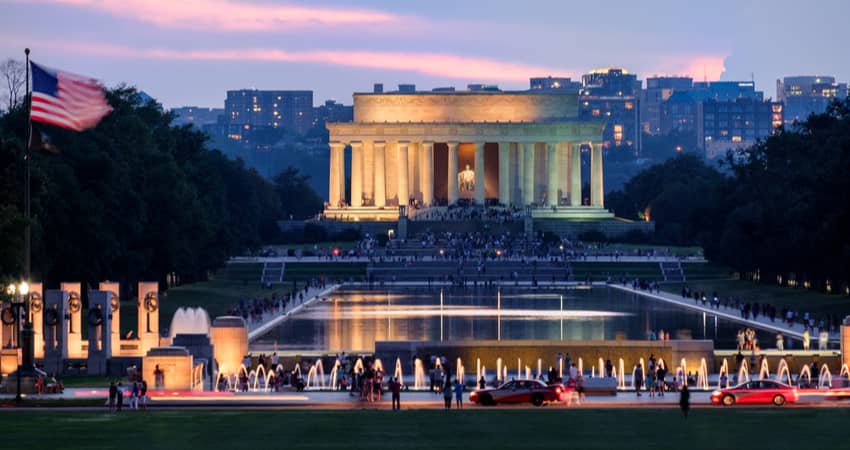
<point>189,52</point>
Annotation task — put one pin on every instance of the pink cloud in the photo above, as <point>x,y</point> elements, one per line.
<point>443,65</point>
<point>699,67</point>
<point>229,15</point>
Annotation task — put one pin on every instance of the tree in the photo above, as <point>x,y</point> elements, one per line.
<point>13,73</point>
<point>297,199</point>
<point>681,195</point>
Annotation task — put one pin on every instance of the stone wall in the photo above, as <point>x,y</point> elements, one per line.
<point>611,228</point>
<point>464,107</point>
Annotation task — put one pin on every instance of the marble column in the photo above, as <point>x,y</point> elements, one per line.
<point>335,175</point>
<point>403,175</point>
<point>528,173</point>
<point>552,176</point>
<point>575,175</point>
<point>356,173</point>
<point>505,173</point>
<point>379,148</point>
<point>479,173</point>
<point>427,168</point>
<point>452,173</point>
<point>596,188</point>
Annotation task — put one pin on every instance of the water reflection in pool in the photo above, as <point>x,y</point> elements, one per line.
<point>353,319</point>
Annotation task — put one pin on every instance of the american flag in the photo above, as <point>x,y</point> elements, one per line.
<point>65,99</point>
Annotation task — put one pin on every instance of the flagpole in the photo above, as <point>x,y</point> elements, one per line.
<point>28,231</point>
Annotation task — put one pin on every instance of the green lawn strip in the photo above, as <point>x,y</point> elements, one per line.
<point>473,428</point>
<point>671,249</point>
<point>748,291</point>
<point>33,401</point>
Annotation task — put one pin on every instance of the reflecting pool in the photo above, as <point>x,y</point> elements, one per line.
<point>352,319</point>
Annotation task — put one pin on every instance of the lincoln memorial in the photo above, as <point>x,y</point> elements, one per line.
<point>434,149</point>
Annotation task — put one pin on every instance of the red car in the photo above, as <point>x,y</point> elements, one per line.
<point>756,392</point>
<point>519,391</point>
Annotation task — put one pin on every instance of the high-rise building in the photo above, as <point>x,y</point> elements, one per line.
<point>726,90</point>
<point>659,90</point>
<point>731,124</point>
<point>332,112</point>
<point>806,95</point>
<point>610,82</point>
<point>251,112</point>
<point>612,94</point>
<point>554,84</point>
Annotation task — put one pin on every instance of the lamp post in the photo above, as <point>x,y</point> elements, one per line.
<point>19,297</point>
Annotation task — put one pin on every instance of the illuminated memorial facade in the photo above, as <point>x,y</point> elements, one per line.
<point>430,149</point>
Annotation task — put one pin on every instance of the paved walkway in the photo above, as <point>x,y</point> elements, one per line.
<point>343,259</point>
<point>730,313</point>
<point>270,320</point>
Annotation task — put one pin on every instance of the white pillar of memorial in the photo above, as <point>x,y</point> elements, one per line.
<point>427,168</point>
<point>528,173</point>
<point>356,173</point>
<point>403,193</point>
<point>575,176</point>
<point>552,179</point>
<point>505,173</point>
<point>380,195</point>
<point>334,193</point>
<point>479,173</point>
<point>596,188</point>
<point>452,173</point>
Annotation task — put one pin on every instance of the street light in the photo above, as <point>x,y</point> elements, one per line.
<point>19,299</point>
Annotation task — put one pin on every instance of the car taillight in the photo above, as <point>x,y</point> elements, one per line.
<point>558,390</point>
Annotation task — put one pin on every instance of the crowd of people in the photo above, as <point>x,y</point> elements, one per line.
<point>254,309</point>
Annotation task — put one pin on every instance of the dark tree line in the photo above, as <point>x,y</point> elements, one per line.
<point>779,208</point>
<point>135,198</point>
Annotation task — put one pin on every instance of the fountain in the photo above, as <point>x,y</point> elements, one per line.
<point>419,381</point>
<point>333,376</point>
<point>724,370</point>
<point>477,369</point>
<point>592,371</point>
<point>743,372</point>
<point>315,376</point>
<point>764,370</point>
<point>634,373</point>
<point>825,377</point>
<point>379,365</point>
<point>518,369</point>
<point>622,374</point>
<point>580,366</point>
<point>459,370</point>
<point>527,373</point>
<point>499,377</point>
<point>683,366</point>
<point>398,374</point>
<point>539,367</point>
<point>505,373</point>
<point>483,373</point>
<point>189,321</point>
<point>805,372</point>
<point>845,372</point>
<point>702,375</point>
<point>358,365</point>
<point>781,369</point>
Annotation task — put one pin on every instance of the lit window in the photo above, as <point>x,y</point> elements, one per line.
<point>595,113</point>
<point>736,138</point>
<point>618,134</point>
<point>629,105</point>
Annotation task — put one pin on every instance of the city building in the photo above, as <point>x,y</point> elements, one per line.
<point>658,90</point>
<point>612,95</point>
<point>332,111</point>
<point>254,117</point>
<point>726,90</point>
<point>557,84</point>
<point>806,95</point>
<point>193,115</point>
<point>732,124</point>
<point>428,149</point>
<point>678,113</point>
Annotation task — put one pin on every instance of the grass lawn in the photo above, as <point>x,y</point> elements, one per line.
<point>548,428</point>
<point>80,381</point>
<point>748,291</point>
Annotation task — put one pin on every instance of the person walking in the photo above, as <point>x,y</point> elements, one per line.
<point>134,396</point>
<point>447,394</point>
<point>395,388</point>
<point>113,393</point>
<point>119,397</point>
<point>458,394</point>
<point>143,394</point>
<point>685,400</point>
<point>637,379</point>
